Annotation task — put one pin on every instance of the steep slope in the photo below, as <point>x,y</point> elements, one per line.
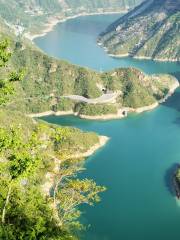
<point>33,14</point>
<point>48,80</point>
<point>151,30</point>
<point>37,159</point>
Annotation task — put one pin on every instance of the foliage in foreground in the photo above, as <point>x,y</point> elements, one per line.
<point>6,84</point>
<point>31,205</point>
<point>26,211</point>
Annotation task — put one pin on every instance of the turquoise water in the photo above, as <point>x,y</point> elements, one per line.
<point>137,163</point>
<point>75,41</point>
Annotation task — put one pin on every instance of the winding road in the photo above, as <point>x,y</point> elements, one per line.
<point>105,98</point>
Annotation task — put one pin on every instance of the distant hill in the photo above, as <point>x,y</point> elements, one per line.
<point>151,30</point>
<point>32,14</point>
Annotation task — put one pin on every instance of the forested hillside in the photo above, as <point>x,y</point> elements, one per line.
<point>39,189</point>
<point>47,80</point>
<point>33,14</point>
<point>151,30</point>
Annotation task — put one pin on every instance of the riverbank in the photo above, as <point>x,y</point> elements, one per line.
<point>121,113</point>
<point>141,57</point>
<point>53,21</point>
<point>48,113</point>
<point>156,59</point>
<point>171,91</point>
<point>49,177</point>
<point>102,142</point>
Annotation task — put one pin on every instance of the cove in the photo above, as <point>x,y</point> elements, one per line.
<point>137,163</point>
<point>75,41</point>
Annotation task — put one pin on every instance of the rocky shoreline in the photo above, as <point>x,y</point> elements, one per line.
<point>142,57</point>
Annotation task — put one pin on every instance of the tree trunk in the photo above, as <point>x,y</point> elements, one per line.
<point>6,204</point>
<point>55,203</point>
<point>54,195</point>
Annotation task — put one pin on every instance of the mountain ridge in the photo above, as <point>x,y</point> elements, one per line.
<point>150,31</point>
<point>34,14</point>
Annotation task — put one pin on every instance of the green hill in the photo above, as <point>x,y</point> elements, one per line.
<point>33,14</point>
<point>151,30</point>
<point>47,80</point>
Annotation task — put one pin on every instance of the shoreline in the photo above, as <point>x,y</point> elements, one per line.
<point>121,113</point>
<point>142,57</point>
<point>49,113</point>
<point>55,20</point>
<point>102,142</point>
<point>50,175</point>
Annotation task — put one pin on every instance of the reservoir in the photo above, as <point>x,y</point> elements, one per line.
<point>137,163</point>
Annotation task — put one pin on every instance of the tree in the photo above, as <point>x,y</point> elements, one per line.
<point>25,212</point>
<point>6,84</point>
<point>73,193</point>
<point>20,159</point>
<point>9,141</point>
<point>68,191</point>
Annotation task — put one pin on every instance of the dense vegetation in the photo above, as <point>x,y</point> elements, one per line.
<point>33,14</point>
<point>39,191</point>
<point>151,30</point>
<point>46,80</point>
<point>26,160</point>
<point>60,78</point>
<point>95,109</point>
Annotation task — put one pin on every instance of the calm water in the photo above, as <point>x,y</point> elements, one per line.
<point>137,163</point>
<point>75,41</point>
